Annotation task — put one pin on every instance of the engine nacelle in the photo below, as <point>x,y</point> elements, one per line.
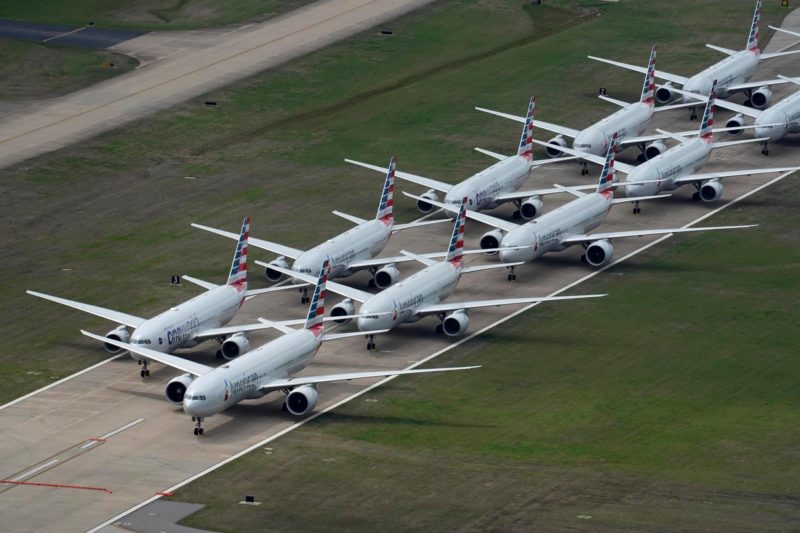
<point>531,208</point>
<point>425,207</point>
<point>343,308</point>
<point>599,253</point>
<point>176,388</point>
<point>654,149</point>
<point>711,190</point>
<point>736,121</point>
<point>455,323</point>
<point>302,400</point>
<point>553,151</point>
<point>491,239</point>
<point>665,94</point>
<point>761,98</point>
<point>234,346</point>
<point>120,334</point>
<point>386,276</point>
<point>273,275</point>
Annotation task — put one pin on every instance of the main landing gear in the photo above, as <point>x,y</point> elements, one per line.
<point>198,425</point>
<point>371,342</point>
<point>304,299</point>
<point>144,371</point>
<point>764,148</point>
<point>636,209</point>
<point>511,275</point>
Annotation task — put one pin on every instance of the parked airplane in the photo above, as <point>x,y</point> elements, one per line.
<point>733,73</point>
<point>190,323</point>
<point>492,186</point>
<point>204,391</point>
<point>627,124</point>
<point>349,252</point>
<point>679,165</point>
<point>421,295</point>
<point>568,225</point>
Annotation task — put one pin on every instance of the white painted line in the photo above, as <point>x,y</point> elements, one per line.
<point>121,429</point>
<point>64,34</point>
<point>425,360</point>
<point>32,471</point>
<point>60,381</point>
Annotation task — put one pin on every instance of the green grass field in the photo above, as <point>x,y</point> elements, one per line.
<point>640,416</point>
<point>146,14</point>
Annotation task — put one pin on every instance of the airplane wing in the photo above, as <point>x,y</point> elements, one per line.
<point>475,304</point>
<point>643,70</point>
<point>555,128</point>
<point>280,249</point>
<point>618,165</point>
<point>579,239</point>
<point>410,225</point>
<point>381,261</point>
<point>730,106</point>
<point>278,384</point>
<point>263,323</point>
<point>420,180</point>
<point>352,218</point>
<point>756,84</point>
<point>693,178</point>
<point>109,314</point>
<point>338,288</point>
<point>180,363</point>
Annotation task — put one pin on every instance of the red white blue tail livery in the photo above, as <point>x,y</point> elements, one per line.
<point>316,311</point>
<point>752,38</point>
<point>455,251</point>
<point>649,87</point>
<point>707,125</point>
<point>238,273</point>
<point>526,140</point>
<point>387,196</point>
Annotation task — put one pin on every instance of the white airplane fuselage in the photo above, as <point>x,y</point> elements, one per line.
<point>401,301</point>
<point>630,121</point>
<point>482,188</point>
<point>363,241</point>
<point>685,158</point>
<point>786,113</point>
<point>176,327</point>
<point>239,379</point>
<point>732,70</point>
<point>544,234</point>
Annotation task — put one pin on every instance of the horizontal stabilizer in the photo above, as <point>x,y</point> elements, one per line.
<point>490,266</point>
<point>411,225</point>
<point>614,101</point>
<point>352,218</point>
<point>337,336</point>
<point>499,157</point>
<point>726,51</point>
<point>338,288</point>
<point>640,198</point>
<point>419,258</point>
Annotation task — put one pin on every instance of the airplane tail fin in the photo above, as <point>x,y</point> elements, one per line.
<point>649,87</point>
<point>455,251</point>
<point>605,185</point>
<point>387,196</point>
<point>316,311</point>
<point>708,115</point>
<point>526,139</point>
<point>752,38</point>
<point>238,272</point>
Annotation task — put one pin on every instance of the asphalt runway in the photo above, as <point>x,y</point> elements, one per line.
<point>177,66</point>
<point>106,441</point>
<point>63,35</point>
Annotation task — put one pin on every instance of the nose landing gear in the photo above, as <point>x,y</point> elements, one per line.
<point>511,275</point>
<point>144,371</point>
<point>693,113</point>
<point>584,168</point>
<point>198,426</point>
<point>636,209</point>
<point>371,342</point>
<point>304,299</point>
<point>764,148</point>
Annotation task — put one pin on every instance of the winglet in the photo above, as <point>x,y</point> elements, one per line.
<point>526,139</point>
<point>649,86</point>
<point>316,311</point>
<point>387,197</point>
<point>238,273</point>
<point>707,125</point>
<point>455,251</point>
<point>752,38</point>
<point>605,185</point>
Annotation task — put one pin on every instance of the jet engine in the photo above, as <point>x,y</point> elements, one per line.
<point>599,253</point>
<point>553,151</point>
<point>665,94</point>
<point>491,239</point>
<point>531,208</point>
<point>423,206</point>
<point>302,400</point>
<point>455,323</point>
<point>711,190</point>
<point>386,276</point>
<point>176,388</point>
<point>120,334</point>
<point>273,275</point>
<point>654,149</point>
<point>234,346</point>
<point>761,98</point>
<point>736,121</point>
<point>343,308</point>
